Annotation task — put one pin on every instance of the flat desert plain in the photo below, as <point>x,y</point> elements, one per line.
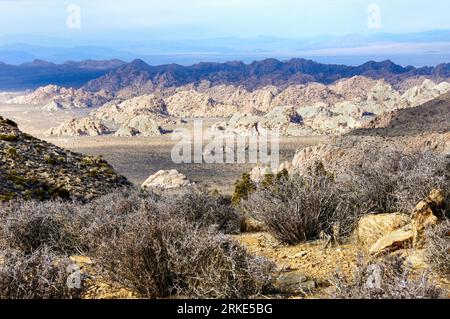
<point>139,157</point>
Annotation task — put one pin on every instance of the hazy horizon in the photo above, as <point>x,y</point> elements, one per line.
<point>191,31</point>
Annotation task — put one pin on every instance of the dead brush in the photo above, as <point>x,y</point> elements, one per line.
<point>198,206</point>
<point>396,182</point>
<point>159,256</point>
<point>388,278</point>
<point>301,208</point>
<point>39,275</point>
<point>437,247</point>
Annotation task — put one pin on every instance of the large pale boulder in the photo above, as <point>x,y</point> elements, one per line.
<point>166,180</point>
<point>372,227</point>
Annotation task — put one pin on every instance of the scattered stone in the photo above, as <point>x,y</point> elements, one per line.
<point>293,283</point>
<point>251,225</point>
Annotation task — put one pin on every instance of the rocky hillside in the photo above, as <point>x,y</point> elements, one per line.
<point>424,128</point>
<point>79,127</point>
<point>32,168</point>
<point>335,109</point>
<point>433,116</point>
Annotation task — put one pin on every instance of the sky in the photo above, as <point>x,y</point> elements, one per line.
<point>196,19</point>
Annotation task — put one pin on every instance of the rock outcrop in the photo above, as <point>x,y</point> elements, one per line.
<point>53,98</point>
<point>122,112</point>
<point>398,239</point>
<point>280,121</point>
<point>296,110</point>
<point>34,169</point>
<point>141,125</point>
<point>386,233</point>
<point>372,227</point>
<point>166,180</point>
<point>80,127</point>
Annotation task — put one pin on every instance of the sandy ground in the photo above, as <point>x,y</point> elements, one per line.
<point>137,158</point>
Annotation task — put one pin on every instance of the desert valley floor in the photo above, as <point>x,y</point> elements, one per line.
<point>139,157</point>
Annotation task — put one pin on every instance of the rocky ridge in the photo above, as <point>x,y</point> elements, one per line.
<point>34,169</point>
<point>55,97</point>
<point>338,108</point>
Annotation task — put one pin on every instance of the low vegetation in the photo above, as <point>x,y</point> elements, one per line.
<point>302,207</point>
<point>437,247</point>
<point>389,278</point>
<point>157,246</point>
<point>396,182</point>
<point>159,255</point>
<point>39,275</point>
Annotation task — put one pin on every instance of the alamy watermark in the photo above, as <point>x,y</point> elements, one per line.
<point>199,147</point>
<point>74,16</point>
<point>374,16</point>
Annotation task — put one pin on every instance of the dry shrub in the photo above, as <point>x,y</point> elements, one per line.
<point>28,226</point>
<point>39,275</point>
<point>388,278</point>
<point>160,255</point>
<point>437,247</point>
<point>198,206</point>
<point>301,207</point>
<point>157,245</point>
<point>396,182</point>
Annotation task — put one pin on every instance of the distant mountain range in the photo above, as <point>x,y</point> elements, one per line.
<point>418,49</point>
<point>138,74</point>
<point>40,73</point>
<point>114,75</point>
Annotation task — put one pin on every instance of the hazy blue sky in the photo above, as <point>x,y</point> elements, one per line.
<point>219,18</point>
